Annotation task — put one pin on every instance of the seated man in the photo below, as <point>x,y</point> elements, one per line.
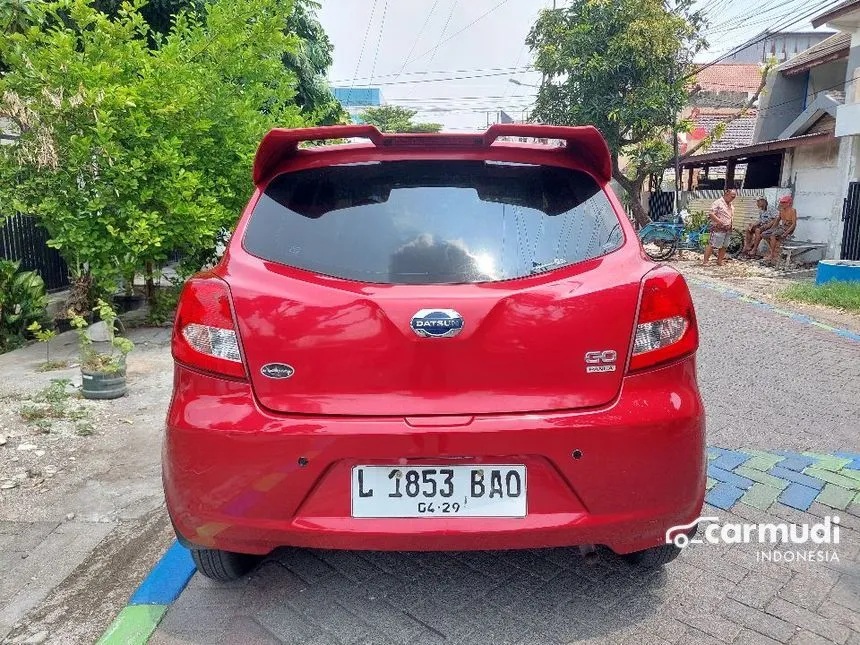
<point>752,234</point>
<point>781,228</point>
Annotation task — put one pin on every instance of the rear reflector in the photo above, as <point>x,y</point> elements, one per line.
<point>221,343</point>
<point>655,335</point>
<point>666,329</point>
<point>204,334</point>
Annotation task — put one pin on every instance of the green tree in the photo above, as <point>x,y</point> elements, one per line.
<point>391,118</point>
<point>158,14</point>
<point>17,15</point>
<point>626,67</point>
<point>129,151</point>
<point>309,60</point>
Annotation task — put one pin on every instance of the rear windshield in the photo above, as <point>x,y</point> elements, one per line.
<point>432,222</point>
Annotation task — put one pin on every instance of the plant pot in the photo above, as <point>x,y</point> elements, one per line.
<point>125,303</point>
<point>103,385</point>
<point>65,324</point>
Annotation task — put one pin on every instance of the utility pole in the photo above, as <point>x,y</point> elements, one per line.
<point>676,194</point>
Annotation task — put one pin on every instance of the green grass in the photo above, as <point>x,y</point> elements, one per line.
<point>842,295</point>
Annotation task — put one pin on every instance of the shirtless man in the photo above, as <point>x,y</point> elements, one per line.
<point>780,229</point>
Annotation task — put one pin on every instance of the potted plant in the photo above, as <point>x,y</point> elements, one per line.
<point>103,374</point>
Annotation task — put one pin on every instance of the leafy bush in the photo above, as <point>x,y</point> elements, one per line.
<point>22,302</point>
<point>163,305</point>
<point>133,143</point>
<point>697,220</point>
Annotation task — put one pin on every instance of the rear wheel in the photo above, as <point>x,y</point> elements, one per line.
<point>223,566</point>
<point>653,557</point>
<point>736,243</point>
<point>659,249</point>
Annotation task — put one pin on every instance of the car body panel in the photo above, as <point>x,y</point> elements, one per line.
<point>234,481</point>
<point>253,464</point>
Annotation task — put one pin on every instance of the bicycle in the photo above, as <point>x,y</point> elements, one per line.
<point>660,240</point>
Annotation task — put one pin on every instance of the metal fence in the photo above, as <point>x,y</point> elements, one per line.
<point>21,238</point>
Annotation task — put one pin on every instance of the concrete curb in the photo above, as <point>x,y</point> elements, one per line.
<point>147,606</point>
<point>743,297</point>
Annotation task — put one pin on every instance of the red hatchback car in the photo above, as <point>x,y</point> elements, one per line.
<point>433,342</point>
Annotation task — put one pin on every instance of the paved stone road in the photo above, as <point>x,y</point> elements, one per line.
<point>769,382</point>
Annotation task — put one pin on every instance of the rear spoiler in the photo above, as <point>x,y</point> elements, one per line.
<point>585,142</point>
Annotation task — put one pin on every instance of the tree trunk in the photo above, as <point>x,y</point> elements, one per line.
<point>640,213</point>
<point>150,284</point>
<point>633,188</point>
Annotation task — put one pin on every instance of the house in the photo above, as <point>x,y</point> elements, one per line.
<point>805,136</point>
<point>782,45</point>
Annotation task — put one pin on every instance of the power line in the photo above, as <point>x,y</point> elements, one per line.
<point>441,71</point>
<point>413,99</point>
<point>739,22</point>
<point>363,43</point>
<point>417,39</point>
<point>379,40</point>
<point>451,78</point>
<point>444,29</point>
<point>765,35</point>
<point>460,31</point>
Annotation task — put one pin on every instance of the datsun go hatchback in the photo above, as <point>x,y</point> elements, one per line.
<point>433,342</point>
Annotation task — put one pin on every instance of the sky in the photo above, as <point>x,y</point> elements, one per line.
<point>413,49</point>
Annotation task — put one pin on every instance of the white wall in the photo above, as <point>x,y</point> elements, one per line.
<point>830,76</point>
<point>818,190</point>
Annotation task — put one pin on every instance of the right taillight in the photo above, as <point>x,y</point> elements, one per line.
<point>666,329</point>
<point>204,333</point>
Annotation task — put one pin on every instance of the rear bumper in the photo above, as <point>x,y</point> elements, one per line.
<point>234,479</point>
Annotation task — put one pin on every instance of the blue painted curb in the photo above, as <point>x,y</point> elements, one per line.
<point>804,320</point>
<point>167,579</point>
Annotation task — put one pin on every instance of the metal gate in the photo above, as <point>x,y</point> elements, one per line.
<point>851,223</point>
<point>21,238</point>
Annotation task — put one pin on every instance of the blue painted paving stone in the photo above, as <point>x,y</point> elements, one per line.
<point>729,478</point>
<point>798,496</point>
<point>730,460</point>
<point>797,478</point>
<point>723,496</point>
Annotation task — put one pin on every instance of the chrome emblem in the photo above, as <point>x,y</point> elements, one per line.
<point>277,370</point>
<point>597,362</point>
<point>437,323</point>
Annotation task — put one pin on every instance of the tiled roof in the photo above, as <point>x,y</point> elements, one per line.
<point>729,78</point>
<point>738,133</point>
<point>837,44</point>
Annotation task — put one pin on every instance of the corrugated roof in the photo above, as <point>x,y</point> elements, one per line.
<point>837,44</point>
<point>756,149</point>
<point>729,78</point>
<point>835,12</point>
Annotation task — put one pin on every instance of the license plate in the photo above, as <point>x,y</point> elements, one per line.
<point>439,491</point>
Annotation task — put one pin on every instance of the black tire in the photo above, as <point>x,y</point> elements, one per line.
<point>223,566</point>
<point>660,249</point>
<point>654,557</point>
<point>736,243</point>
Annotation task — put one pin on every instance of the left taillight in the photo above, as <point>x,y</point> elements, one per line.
<point>666,328</point>
<point>204,333</point>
